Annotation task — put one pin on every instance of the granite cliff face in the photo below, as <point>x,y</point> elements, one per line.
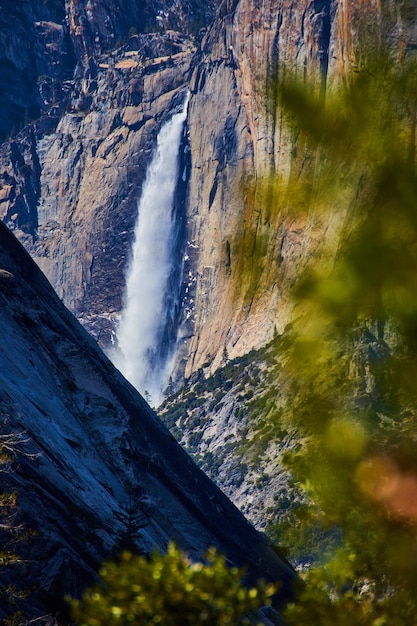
<point>86,174</point>
<point>245,139</point>
<point>43,42</point>
<point>71,180</point>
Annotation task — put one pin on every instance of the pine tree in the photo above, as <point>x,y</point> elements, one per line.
<point>134,517</point>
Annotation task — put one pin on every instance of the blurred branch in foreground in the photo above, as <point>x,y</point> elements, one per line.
<point>350,357</point>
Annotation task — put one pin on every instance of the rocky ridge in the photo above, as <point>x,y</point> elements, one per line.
<point>90,452</point>
<point>237,425</point>
<point>43,43</point>
<point>233,424</point>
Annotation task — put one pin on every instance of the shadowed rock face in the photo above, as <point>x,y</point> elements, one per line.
<point>92,450</point>
<point>42,41</point>
<point>72,180</point>
<point>35,56</point>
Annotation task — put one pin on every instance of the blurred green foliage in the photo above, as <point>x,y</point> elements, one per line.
<point>352,349</point>
<point>171,590</point>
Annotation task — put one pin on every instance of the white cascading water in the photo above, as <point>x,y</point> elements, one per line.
<point>143,319</point>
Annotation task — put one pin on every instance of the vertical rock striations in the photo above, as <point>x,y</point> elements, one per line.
<point>238,137</point>
<point>235,137</point>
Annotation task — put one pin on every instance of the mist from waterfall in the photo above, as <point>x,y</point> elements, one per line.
<point>142,353</point>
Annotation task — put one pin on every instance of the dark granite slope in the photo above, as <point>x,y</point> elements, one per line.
<point>96,451</point>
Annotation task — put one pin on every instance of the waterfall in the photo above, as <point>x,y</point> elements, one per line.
<point>144,353</point>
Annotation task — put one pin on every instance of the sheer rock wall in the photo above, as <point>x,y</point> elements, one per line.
<point>238,134</point>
